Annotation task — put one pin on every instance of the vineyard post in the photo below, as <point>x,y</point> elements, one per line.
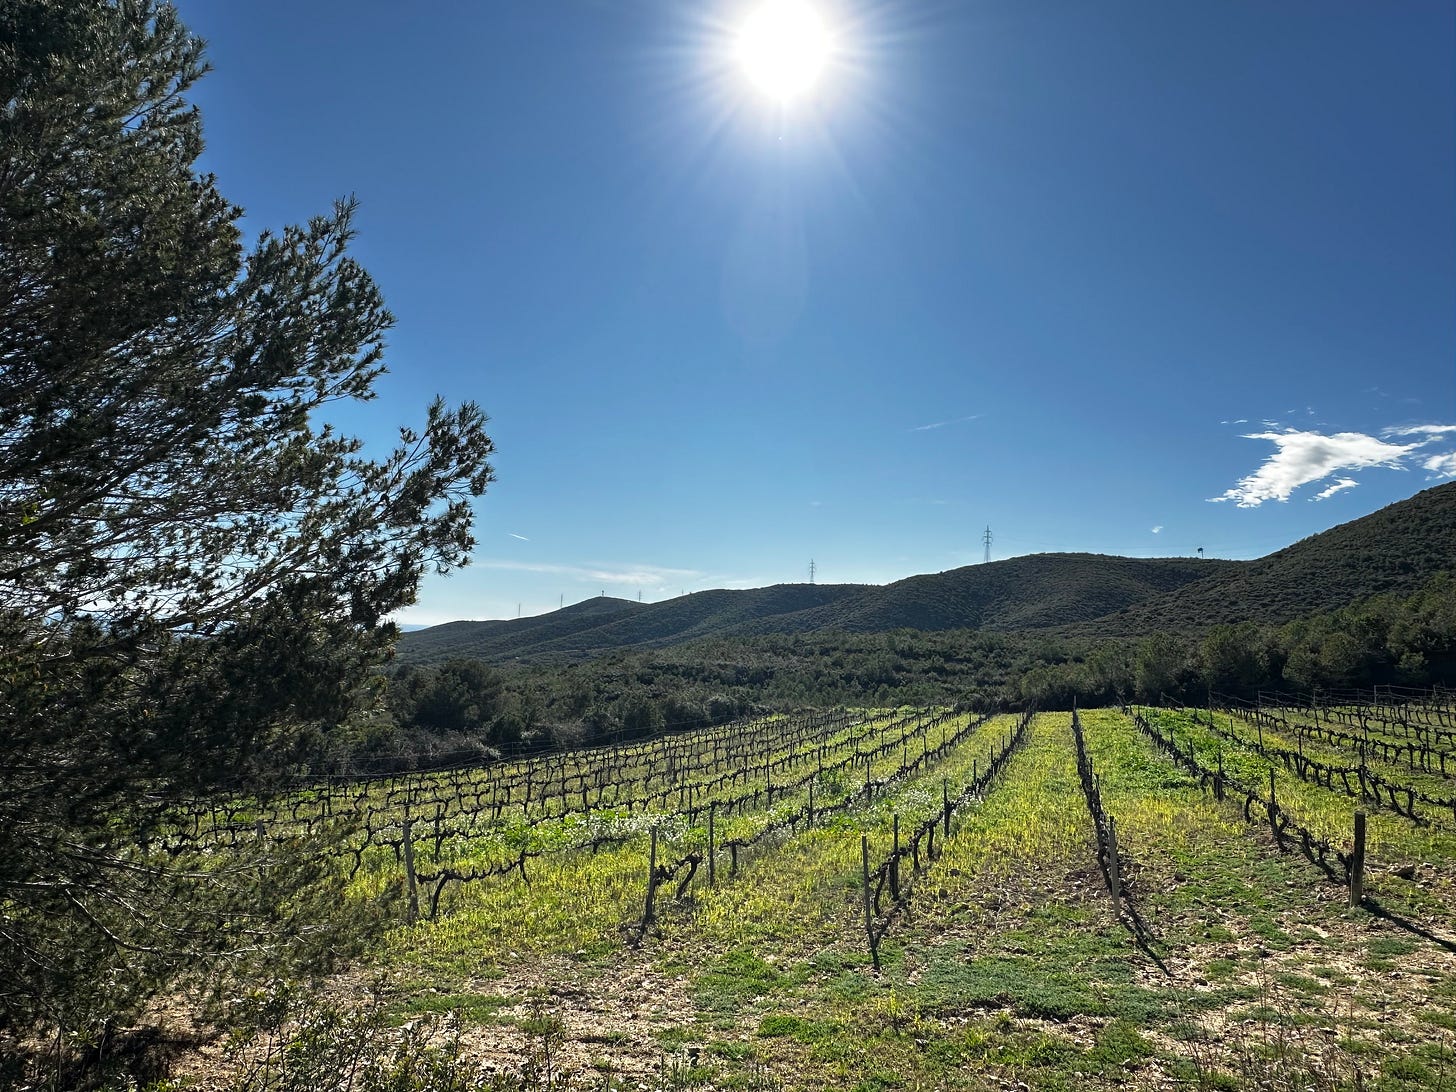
<point>811,803</point>
<point>945,804</point>
<point>409,870</point>
<point>1274,809</point>
<point>712,844</point>
<point>261,832</point>
<point>1357,861</point>
<point>864,854</point>
<point>648,912</point>
<point>895,863</point>
<point>1114,870</point>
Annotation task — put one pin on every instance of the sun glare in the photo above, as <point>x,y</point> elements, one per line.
<point>783,48</point>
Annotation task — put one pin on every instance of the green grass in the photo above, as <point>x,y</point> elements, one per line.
<point>1011,967</point>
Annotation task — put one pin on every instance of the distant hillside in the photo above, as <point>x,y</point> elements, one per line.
<point>597,625</point>
<point>1023,592</point>
<point>1393,550</point>
<point>484,640</point>
<point>1029,592</point>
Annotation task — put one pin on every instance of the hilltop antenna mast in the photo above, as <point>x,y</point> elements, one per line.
<point>987,538</point>
<point>811,570</point>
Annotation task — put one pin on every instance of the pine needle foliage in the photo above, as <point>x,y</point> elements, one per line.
<point>196,568</point>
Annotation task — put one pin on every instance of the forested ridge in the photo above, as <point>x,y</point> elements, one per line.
<point>1394,550</point>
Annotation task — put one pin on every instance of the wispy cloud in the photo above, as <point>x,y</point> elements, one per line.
<point>951,421</point>
<point>1431,431</point>
<point>632,575</point>
<point>1330,491</point>
<point>1158,530</point>
<point>1442,466</point>
<point>513,534</point>
<point>1304,457</point>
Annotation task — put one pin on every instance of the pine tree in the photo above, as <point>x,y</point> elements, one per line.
<point>196,572</point>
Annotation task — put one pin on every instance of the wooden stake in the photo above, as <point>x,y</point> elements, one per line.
<point>864,853</point>
<point>712,845</point>
<point>1114,869</point>
<point>409,870</point>
<point>649,912</point>
<point>1357,861</point>
<point>895,863</point>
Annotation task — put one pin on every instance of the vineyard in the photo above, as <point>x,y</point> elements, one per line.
<point>1247,894</point>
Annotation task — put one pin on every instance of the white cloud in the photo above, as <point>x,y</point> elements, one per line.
<point>1340,484</point>
<point>1442,466</point>
<point>1158,530</point>
<point>513,534</point>
<point>1304,457</point>
<point>1428,431</point>
<point>640,576</point>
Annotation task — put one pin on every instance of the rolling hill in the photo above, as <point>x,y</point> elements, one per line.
<point>1392,550</point>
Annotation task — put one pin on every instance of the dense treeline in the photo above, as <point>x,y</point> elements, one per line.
<point>464,708</point>
<point>1383,640</point>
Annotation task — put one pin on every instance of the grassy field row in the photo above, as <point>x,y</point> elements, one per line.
<point>1011,968</point>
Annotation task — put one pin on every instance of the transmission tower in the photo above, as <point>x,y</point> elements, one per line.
<point>987,538</point>
<point>811,570</point>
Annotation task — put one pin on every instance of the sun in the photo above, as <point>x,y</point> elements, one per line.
<point>783,47</point>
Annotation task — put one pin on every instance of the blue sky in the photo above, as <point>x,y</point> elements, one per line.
<point>1125,277</point>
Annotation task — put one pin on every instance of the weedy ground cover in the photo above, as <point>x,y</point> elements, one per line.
<point>1231,963</point>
